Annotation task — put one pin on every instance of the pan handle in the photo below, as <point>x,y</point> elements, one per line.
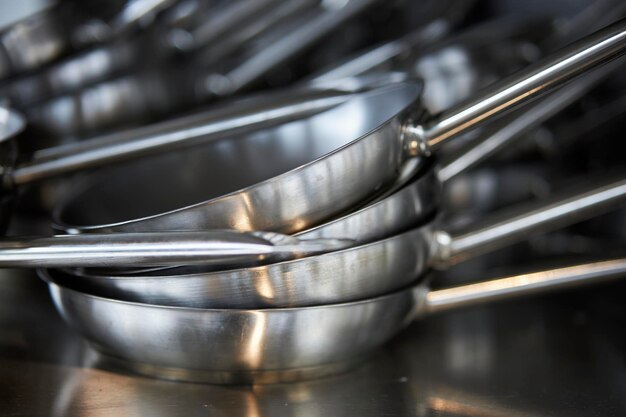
<point>507,130</point>
<point>508,227</point>
<point>216,248</point>
<point>591,51</point>
<point>279,52</point>
<point>520,285</point>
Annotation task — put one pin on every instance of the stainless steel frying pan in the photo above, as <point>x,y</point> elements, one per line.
<point>413,199</point>
<point>52,32</point>
<point>351,274</point>
<point>278,345</point>
<point>289,187</point>
<point>149,93</point>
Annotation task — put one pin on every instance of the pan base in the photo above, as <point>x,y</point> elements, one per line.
<point>226,377</point>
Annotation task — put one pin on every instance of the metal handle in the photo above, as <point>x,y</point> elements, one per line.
<point>223,248</point>
<point>569,62</point>
<point>218,24</point>
<point>520,285</point>
<point>135,11</point>
<point>262,22</point>
<point>369,60</point>
<point>510,227</point>
<point>513,127</point>
<point>285,48</point>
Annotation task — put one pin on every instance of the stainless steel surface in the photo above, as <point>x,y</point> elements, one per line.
<point>372,59</point>
<point>212,54</point>
<point>343,174</point>
<point>321,174</point>
<point>71,74</point>
<point>11,123</point>
<point>412,47</point>
<point>521,285</point>
<point>504,131</point>
<point>271,345</point>
<point>285,48</point>
<point>264,112</point>
<point>231,18</point>
<point>33,41</point>
<point>478,361</point>
<point>483,237</point>
<point>223,249</point>
<point>351,274</point>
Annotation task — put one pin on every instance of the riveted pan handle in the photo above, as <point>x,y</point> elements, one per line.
<point>515,286</point>
<point>539,78</point>
<point>521,222</point>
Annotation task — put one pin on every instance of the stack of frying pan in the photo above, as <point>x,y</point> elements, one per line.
<point>292,233</point>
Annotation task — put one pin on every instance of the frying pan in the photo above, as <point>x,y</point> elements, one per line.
<point>392,214</point>
<point>351,274</point>
<point>238,118</point>
<point>50,33</point>
<point>70,155</point>
<point>278,345</point>
<point>414,196</point>
<point>315,179</point>
<point>97,151</point>
<point>148,93</point>
<point>71,74</point>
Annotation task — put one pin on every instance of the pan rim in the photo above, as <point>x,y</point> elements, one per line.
<point>57,214</point>
<point>420,281</point>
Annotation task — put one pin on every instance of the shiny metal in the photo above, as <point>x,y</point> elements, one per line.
<point>247,33</point>
<point>219,23</point>
<point>332,172</point>
<point>443,365</point>
<point>351,274</point>
<point>287,47</point>
<point>71,74</point>
<point>60,28</point>
<point>33,41</point>
<point>433,37</point>
<point>606,44</point>
<point>278,345</point>
<point>11,123</point>
<point>201,127</point>
<point>222,249</point>
<point>492,234</point>
<point>384,54</point>
<point>521,285</point>
<point>501,133</point>
<point>296,175</point>
<point>135,11</point>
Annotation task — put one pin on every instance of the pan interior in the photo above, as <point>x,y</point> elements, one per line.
<point>173,180</point>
